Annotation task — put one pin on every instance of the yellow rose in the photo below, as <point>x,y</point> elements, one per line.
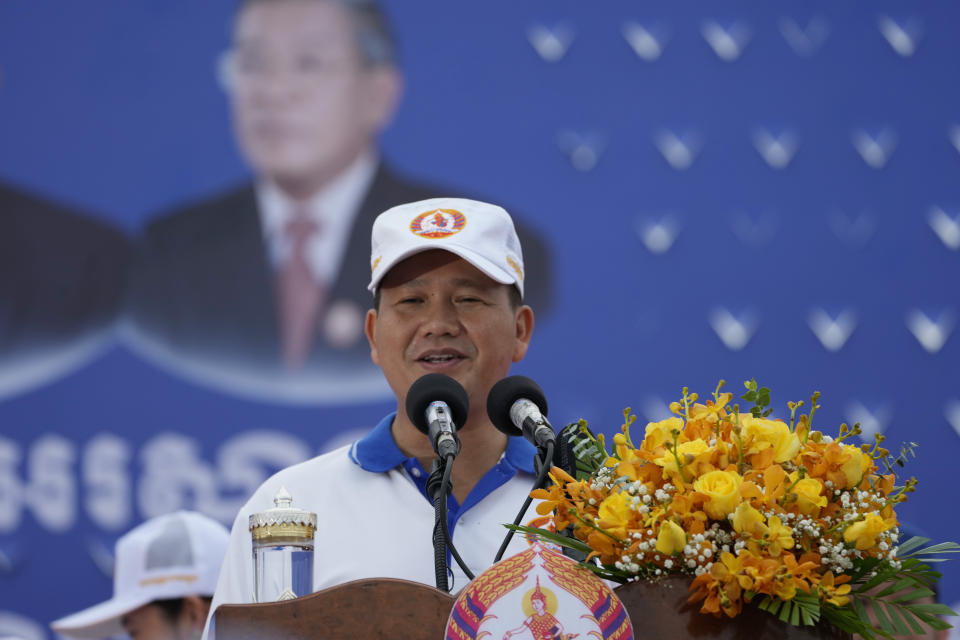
<point>864,532</point>
<point>855,468</point>
<point>614,511</point>
<point>694,448</point>
<point>722,489</point>
<point>809,495</point>
<point>671,538</point>
<point>770,433</point>
<point>745,517</point>
<point>658,433</point>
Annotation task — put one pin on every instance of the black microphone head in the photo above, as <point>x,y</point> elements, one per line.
<point>435,387</point>
<point>505,393</point>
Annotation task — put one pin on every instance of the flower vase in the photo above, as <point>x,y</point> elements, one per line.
<point>658,608</point>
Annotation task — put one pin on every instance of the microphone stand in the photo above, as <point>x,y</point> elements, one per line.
<point>438,488</point>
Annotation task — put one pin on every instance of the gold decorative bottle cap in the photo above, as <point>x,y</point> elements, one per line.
<point>284,523</point>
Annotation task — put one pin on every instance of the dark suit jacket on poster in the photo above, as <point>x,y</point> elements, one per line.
<point>62,274</point>
<point>204,287</point>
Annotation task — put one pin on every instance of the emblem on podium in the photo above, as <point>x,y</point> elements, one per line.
<point>538,593</point>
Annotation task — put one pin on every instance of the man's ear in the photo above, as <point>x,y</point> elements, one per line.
<point>370,329</point>
<point>384,86</point>
<point>524,331</point>
<point>194,612</point>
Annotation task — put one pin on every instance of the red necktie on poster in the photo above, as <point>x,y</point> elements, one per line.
<point>300,293</point>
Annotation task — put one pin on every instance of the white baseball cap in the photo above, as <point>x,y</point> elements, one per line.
<point>480,233</point>
<point>170,556</point>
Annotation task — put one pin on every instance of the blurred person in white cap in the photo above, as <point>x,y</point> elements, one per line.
<point>448,286</point>
<point>165,572</point>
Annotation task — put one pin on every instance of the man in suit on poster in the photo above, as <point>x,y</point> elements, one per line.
<point>255,279</point>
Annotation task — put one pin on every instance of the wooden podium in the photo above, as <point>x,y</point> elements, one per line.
<point>372,609</point>
<point>385,608</point>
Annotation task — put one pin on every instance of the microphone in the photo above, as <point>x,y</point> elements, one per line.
<point>517,406</point>
<point>437,405</point>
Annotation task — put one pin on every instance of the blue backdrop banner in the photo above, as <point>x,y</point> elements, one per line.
<point>704,191</point>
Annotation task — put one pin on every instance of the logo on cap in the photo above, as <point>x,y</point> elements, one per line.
<point>438,223</point>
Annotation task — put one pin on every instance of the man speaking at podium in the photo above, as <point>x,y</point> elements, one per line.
<point>447,283</point>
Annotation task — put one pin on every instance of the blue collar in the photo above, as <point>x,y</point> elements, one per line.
<point>377,451</point>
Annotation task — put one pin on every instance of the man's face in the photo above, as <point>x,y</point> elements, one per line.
<point>150,622</point>
<point>439,314</point>
<point>304,104</point>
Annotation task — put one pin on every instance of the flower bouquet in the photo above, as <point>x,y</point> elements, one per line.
<point>755,510</point>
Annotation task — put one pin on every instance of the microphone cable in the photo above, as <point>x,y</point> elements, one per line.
<point>441,531</point>
<point>544,468</point>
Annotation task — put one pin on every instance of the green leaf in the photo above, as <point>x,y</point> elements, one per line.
<point>882,620</point>
<point>860,608</point>
<point>893,611</point>
<point>912,620</point>
<point>552,536</point>
<point>931,621</point>
<point>847,620</point>
<point>881,577</point>
<point>785,612</point>
<point>914,594</point>
<point>771,605</point>
<point>943,547</point>
<point>605,573</point>
<point>894,587</point>
<point>911,544</point>
<point>934,608</point>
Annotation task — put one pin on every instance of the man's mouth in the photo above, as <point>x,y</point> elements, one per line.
<point>440,358</point>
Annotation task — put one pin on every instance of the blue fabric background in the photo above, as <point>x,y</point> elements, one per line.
<point>113,107</point>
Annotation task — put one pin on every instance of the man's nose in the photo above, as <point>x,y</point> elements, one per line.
<point>441,319</point>
<point>274,84</point>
